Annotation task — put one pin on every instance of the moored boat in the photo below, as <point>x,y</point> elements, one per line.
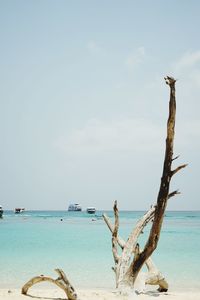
<point>19,210</point>
<point>74,207</point>
<point>1,211</point>
<point>91,210</point>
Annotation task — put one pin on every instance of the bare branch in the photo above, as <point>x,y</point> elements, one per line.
<point>155,277</point>
<point>146,218</point>
<point>175,157</point>
<point>172,194</point>
<point>178,169</point>
<point>120,241</point>
<point>115,233</point>
<point>170,80</point>
<point>116,214</point>
<point>114,250</point>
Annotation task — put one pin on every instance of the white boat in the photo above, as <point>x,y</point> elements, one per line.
<point>74,207</point>
<point>91,210</point>
<point>1,211</point>
<point>19,210</point>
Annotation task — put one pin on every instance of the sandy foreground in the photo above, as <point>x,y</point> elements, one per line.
<point>95,294</point>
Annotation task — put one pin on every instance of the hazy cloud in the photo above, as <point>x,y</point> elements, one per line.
<point>188,60</point>
<point>188,68</point>
<point>189,133</point>
<point>115,135</point>
<point>93,47</point>
<point>124,136</point>
<point>135,58</point>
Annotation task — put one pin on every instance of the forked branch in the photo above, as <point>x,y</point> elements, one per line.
<point>154,276</point>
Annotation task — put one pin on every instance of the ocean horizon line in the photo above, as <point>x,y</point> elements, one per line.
<point>101,209</point>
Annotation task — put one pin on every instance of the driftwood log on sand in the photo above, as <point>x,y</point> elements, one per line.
<point>62,282</point>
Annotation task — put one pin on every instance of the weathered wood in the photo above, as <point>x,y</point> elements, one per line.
<point>62,282</point>
<point>127,267</point>
<point>163,193</point>
<point>154,276</point>
<point>120,241</point>
<point>129,248</point>
<point>115,234</point>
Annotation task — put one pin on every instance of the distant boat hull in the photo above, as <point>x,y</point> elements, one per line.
<point>74,207</point>
<point>91,210</point>
<point>1,211</point>
<point>19,210</point>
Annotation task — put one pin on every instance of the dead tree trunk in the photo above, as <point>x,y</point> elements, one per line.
<point>163,193</point>
<point>62,282</point>
<point>127,271</point>
<point>154,276</point>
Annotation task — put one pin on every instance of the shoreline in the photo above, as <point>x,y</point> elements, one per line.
<point>96,294</point>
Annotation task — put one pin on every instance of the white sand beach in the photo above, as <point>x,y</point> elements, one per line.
<point>95,294</point>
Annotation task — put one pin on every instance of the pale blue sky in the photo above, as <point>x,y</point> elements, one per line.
<point>83,103</point>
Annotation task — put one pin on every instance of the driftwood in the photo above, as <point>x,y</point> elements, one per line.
<point>62,282</point>
<point>127,267</point>
<point>154,276</point>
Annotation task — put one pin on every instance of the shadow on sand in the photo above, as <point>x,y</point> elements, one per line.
<point>48,298</point>
<point>152,293</point>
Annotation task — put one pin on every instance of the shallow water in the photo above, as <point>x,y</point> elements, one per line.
<point>37,242</point>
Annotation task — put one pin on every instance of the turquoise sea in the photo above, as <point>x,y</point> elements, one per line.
<point>37,242</point>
